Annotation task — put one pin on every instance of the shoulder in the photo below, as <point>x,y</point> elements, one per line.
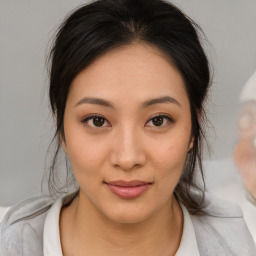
<point>3,211</point>
<point>27,209</point>
<point>221,208</point>
<point>22,226</point>
<point>222,229</point>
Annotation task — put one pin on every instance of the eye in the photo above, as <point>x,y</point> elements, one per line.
<point>94,121</point>
<point>160,121</point>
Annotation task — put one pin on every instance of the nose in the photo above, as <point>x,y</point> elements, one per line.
<point>128,153</point>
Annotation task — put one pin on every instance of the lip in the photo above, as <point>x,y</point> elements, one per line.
<point>128,189</point>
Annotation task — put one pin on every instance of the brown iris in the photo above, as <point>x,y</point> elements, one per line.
<point>158,121</point>
<point>98,121</point>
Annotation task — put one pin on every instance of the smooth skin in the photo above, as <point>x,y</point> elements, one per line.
<point>245,150</point>
<point>127,144</point>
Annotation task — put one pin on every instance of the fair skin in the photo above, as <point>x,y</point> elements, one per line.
<point>127,145</point>
<point>245,150</point>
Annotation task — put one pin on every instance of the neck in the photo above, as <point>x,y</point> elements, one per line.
<point>160,234</point>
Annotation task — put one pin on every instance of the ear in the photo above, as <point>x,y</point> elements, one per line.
<point>192,138</point>
<point>191,143</point>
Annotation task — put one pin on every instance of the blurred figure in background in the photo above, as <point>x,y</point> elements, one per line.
<point>245,150</point>
<point>241,187</point>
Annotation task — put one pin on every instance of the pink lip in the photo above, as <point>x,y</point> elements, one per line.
<point>128,189</point>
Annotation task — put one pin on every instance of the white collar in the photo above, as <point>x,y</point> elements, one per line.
<point>249,213</point>
<point>52,244</point>
<point>188,244</point>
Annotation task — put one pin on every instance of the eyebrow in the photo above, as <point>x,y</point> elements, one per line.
<point>96,101</point>
<point>164,99</point>
<point>105,103</point>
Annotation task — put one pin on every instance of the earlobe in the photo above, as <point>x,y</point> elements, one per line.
<point>192,139</point>
<point>191,144</point>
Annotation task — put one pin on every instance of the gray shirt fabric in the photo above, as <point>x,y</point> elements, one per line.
<point>221,231</point>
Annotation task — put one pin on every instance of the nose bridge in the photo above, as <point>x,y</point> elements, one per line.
<point>128,150</point>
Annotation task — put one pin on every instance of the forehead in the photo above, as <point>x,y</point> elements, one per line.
<point>137,71</point>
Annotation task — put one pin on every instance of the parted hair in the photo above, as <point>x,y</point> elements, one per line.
<point>96,28</point>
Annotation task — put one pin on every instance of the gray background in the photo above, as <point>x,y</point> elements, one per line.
<point>26,28</point>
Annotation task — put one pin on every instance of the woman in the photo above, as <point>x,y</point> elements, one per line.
<point>128,81</point>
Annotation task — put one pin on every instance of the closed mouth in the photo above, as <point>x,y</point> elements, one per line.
<point>128,189</point>
<point>132,183</point>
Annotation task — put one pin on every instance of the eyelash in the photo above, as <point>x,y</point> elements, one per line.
<point>91,117</point>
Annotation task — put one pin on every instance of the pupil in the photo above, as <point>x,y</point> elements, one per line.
<point>98,121</point>
<point>157,121</point>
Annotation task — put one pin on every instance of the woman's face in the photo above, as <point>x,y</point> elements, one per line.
<point>127,127</point>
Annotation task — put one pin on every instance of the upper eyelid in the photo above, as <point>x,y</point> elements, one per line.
<point>165,116</point>
<point>91,116</point>
<point>98,115</point>
<point>161,115</point>
<point>169,120</point>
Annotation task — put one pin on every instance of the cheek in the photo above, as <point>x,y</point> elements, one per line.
<point>172,149</point>
<point>169,158</point>
<point>87,160</point>
<point>168,163</point>
<point>86,152</point>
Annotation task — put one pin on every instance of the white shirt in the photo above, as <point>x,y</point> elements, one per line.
<point>249,212</point>
<point>3,211</point>
<point>52,244</point>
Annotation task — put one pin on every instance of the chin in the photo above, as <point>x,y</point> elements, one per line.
<point>129,215</point>
<point>129,218</point>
